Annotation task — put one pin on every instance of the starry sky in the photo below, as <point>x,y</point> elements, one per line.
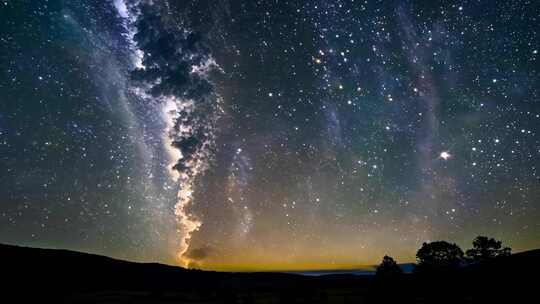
<point>270,134</point>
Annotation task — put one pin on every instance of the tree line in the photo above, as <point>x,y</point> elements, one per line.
<point>444,256</point>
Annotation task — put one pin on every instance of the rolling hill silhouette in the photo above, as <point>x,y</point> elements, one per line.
<point>75,277</point>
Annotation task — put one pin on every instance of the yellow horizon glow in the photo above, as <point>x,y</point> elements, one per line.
<point>285,267</point>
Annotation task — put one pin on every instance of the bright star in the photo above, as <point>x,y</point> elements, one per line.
<point>445,155</point>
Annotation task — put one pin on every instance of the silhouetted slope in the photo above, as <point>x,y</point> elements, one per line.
<point>67,276</point>
<point>510,279</point>
<point>527,261</point>
<point>86,271</point>
<point>59,273</point>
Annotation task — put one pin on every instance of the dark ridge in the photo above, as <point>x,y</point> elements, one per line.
<point>33,274</point>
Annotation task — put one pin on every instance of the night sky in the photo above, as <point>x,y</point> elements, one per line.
<point>268,135</point>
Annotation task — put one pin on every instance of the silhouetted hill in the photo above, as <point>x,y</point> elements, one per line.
<point>510,279</point>
<point>527,261</point>
<point>505,279</point>
<point>75,277</point>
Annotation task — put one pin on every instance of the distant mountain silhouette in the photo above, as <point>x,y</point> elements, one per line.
<point>405,267</point>
<point>75,277</point>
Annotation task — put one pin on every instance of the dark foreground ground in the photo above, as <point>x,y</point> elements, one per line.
<point>31,275</point>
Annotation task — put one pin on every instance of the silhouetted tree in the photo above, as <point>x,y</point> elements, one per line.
<point>388,268</point>
<point>485,248</point>
<point>438,255</point>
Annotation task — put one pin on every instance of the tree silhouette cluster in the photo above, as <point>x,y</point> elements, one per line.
<point>440,256</point>
<point>388,268</point>
<point>485,248</point>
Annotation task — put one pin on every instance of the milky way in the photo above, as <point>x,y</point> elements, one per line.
<point>268,134</point>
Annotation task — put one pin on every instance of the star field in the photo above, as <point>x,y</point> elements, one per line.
<point>268,134</point>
